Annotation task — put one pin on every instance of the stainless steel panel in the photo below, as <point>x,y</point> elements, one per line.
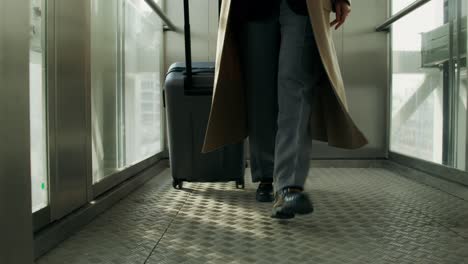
<point>41,219</point>
<point>363,57</point>
<point>68,104</point>
<point>86,40</point>
<point>15,176</point>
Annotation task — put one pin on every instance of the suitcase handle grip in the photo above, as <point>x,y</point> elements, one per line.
<point>195,70</point>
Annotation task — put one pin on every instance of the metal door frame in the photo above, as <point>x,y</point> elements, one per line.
<point>70,190</point>
<point>15,174</point>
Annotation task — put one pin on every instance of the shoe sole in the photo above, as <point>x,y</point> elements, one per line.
<point>282,215</point>
<point>264,200</point>
<point>304,207</point>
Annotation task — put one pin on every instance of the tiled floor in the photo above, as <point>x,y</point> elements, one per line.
<point>368,215</point>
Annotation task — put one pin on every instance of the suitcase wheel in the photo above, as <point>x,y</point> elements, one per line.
<point>240,184</point>
<point>177,184</point>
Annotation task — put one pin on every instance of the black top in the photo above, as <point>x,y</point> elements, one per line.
<point>255,9</point>
<point>263,9</point>
<point>299,6</point>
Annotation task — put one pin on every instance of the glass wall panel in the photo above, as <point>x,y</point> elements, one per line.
<point>398,5</point>
<point>38,120</point>
<point>418,81</point>
<point>106,89</point>
<point>126,39</point>
<point>142,81</point>
<point>429,90</point>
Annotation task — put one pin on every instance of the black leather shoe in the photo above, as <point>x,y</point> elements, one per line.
<point>265,193</point>
<point>291,201</point>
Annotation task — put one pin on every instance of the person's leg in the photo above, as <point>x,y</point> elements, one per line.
<point>300,69</point>
<point>259,48</point>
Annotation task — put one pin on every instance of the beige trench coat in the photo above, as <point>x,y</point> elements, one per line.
<point>330,120</point>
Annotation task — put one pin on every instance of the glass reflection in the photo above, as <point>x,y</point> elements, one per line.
<point>38,121</point>
<point>417,85</point>
<point>106,89</point>
<point>126,39</point>
<point>142,81</point>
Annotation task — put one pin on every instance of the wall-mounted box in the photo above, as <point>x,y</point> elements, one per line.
<point>435,45</point>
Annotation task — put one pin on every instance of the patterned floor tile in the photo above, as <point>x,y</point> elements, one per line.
<point>363,215</point>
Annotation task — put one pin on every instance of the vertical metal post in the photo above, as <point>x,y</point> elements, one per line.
<point>15,175</point>
<point>448,88</point>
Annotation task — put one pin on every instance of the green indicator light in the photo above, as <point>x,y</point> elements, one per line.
<point>43,186</point>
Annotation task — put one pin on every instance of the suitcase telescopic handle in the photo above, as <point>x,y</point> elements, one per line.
<point>188,46</point>
<point>188,43</point>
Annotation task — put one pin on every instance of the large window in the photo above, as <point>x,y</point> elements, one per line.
<point>417,91</point>
<point>142,81</point>
<point>428,109</point>
<point>107,89</point>
<point>39,167</point>
<point>125,76</point>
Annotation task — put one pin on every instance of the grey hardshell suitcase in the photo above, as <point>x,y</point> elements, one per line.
<point>187,97</point>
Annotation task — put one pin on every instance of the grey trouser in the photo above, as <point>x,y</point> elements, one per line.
<point>281,70</point>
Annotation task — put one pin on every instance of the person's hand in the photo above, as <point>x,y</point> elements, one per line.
<point>342,11</point>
